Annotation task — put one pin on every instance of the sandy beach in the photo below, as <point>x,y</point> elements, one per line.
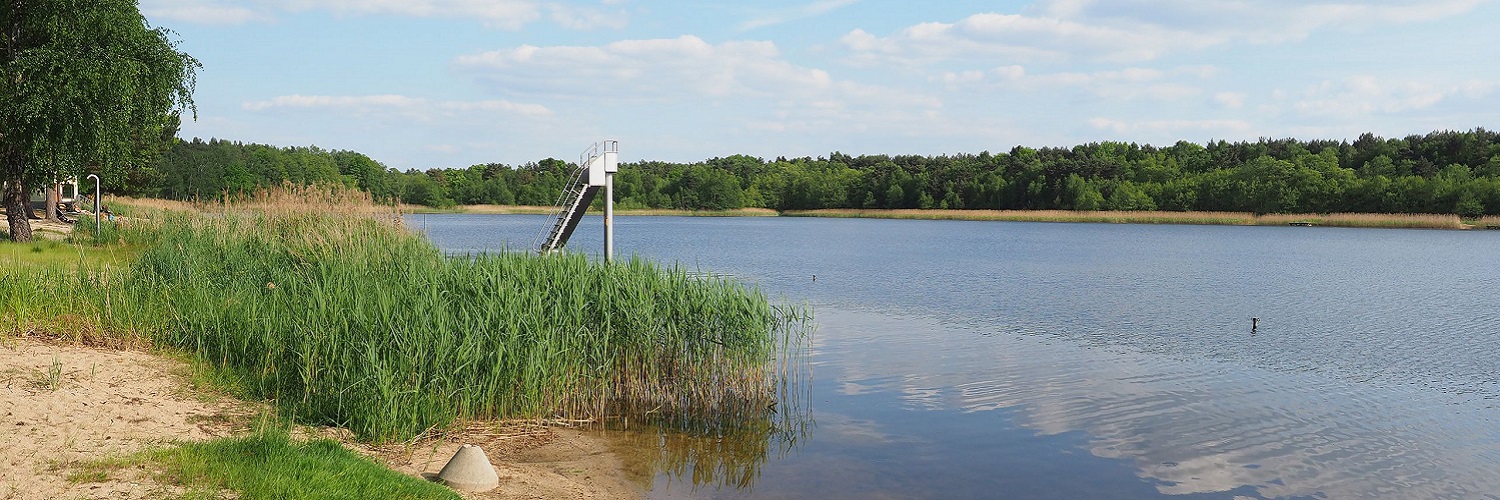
<point>63,404</point>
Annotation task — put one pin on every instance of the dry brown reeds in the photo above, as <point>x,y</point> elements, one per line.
<point>1412,221</point>
<point>1432,221</point>
<point>1133,217</point>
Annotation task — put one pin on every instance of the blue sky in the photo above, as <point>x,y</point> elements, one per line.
<point>451,83</point>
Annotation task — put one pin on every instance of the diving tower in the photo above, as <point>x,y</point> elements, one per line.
<point>597,166</point>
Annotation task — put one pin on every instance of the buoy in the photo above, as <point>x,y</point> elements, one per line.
<point>469,470</point>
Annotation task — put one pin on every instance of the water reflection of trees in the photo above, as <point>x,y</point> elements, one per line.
<point>726,450</point>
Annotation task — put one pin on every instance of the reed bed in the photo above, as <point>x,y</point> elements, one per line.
<point>117,203</point>
<point>1412,221</point>
<point>1427,221</point>
<point>343,317</point>
<point>1134,217</point>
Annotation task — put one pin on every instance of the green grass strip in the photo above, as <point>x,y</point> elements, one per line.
<point>270,464</point>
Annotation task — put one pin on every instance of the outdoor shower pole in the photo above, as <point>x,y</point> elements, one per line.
<point>98,226</point>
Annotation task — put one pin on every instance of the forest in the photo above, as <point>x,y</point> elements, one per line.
<point>1447,172</point>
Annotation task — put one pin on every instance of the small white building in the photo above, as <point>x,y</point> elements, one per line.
<point>67,194</point>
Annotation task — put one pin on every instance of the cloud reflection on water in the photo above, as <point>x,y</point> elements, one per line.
<point>1190,426</point>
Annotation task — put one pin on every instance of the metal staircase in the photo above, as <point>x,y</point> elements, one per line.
<point>577,194</point>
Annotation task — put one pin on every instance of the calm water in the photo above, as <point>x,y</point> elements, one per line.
<point>1026,360</point>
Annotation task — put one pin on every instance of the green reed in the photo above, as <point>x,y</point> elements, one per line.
<point>348,319</point>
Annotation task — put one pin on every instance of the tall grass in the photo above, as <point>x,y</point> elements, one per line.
<point>345,318</point>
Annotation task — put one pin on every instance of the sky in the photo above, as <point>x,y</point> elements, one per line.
<point>453,83</point>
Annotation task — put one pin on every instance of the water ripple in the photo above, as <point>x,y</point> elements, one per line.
<point>1372,372</point>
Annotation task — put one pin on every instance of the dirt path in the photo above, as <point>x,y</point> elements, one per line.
<point>61,404</point>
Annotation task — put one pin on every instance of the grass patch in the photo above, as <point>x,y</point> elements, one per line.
<point>267,463</point>
<point>45,253</point>
<point>51,379</point>
<point>110,246</point>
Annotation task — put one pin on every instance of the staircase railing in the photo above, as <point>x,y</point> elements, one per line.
<point>555,235</point>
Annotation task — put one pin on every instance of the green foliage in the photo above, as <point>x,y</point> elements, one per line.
<point>1127,196</point>
<point>207,170</point>
<point>1432,173</point>
<point>1266,176</point>
<point>86,83</point>
<point>269,463</point>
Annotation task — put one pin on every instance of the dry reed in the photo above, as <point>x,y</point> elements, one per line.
<point>1434,221</point>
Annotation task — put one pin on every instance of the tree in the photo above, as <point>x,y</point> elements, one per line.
<point>1128,196</point>
<point>84,80</point>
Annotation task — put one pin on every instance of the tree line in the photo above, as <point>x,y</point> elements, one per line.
<point>1440,172</point>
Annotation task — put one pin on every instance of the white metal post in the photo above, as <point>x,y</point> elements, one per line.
<point>609,217</point>
<point>611,156</point>
<point>98,226</point>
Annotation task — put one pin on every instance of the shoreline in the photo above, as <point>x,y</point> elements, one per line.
<point>104,403</point>
<point>1359,220</point>
<point>541,210</point>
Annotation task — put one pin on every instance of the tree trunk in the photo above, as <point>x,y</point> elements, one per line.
<point>53,198</point>
<point>17,201</point>
<point>13,197</point>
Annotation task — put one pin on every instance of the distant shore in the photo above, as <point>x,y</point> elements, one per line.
<point>1404,221</point>
<point>541,210</point>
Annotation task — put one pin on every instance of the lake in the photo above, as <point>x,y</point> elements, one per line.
<point>957,359</point>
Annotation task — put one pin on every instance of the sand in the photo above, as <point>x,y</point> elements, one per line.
<point>94,404</point>
<point>61,404</point>
<point>533,461</point>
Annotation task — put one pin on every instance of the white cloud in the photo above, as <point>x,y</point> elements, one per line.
<point>506,14</point>
<point>747,85</point>
<point>796,13</point>
<point>1265,21</point>
<point>1231,100</point>
<point>1170,128</point>
<point>668,69</point>
<point>503,14</point>
<point>411,107</point>
<point>1360,96</point>
<point>200,12</point>
<point>1130,30</point>
<point>1009,37</point>
<point>586,18</point>
<point>1130,83</point>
